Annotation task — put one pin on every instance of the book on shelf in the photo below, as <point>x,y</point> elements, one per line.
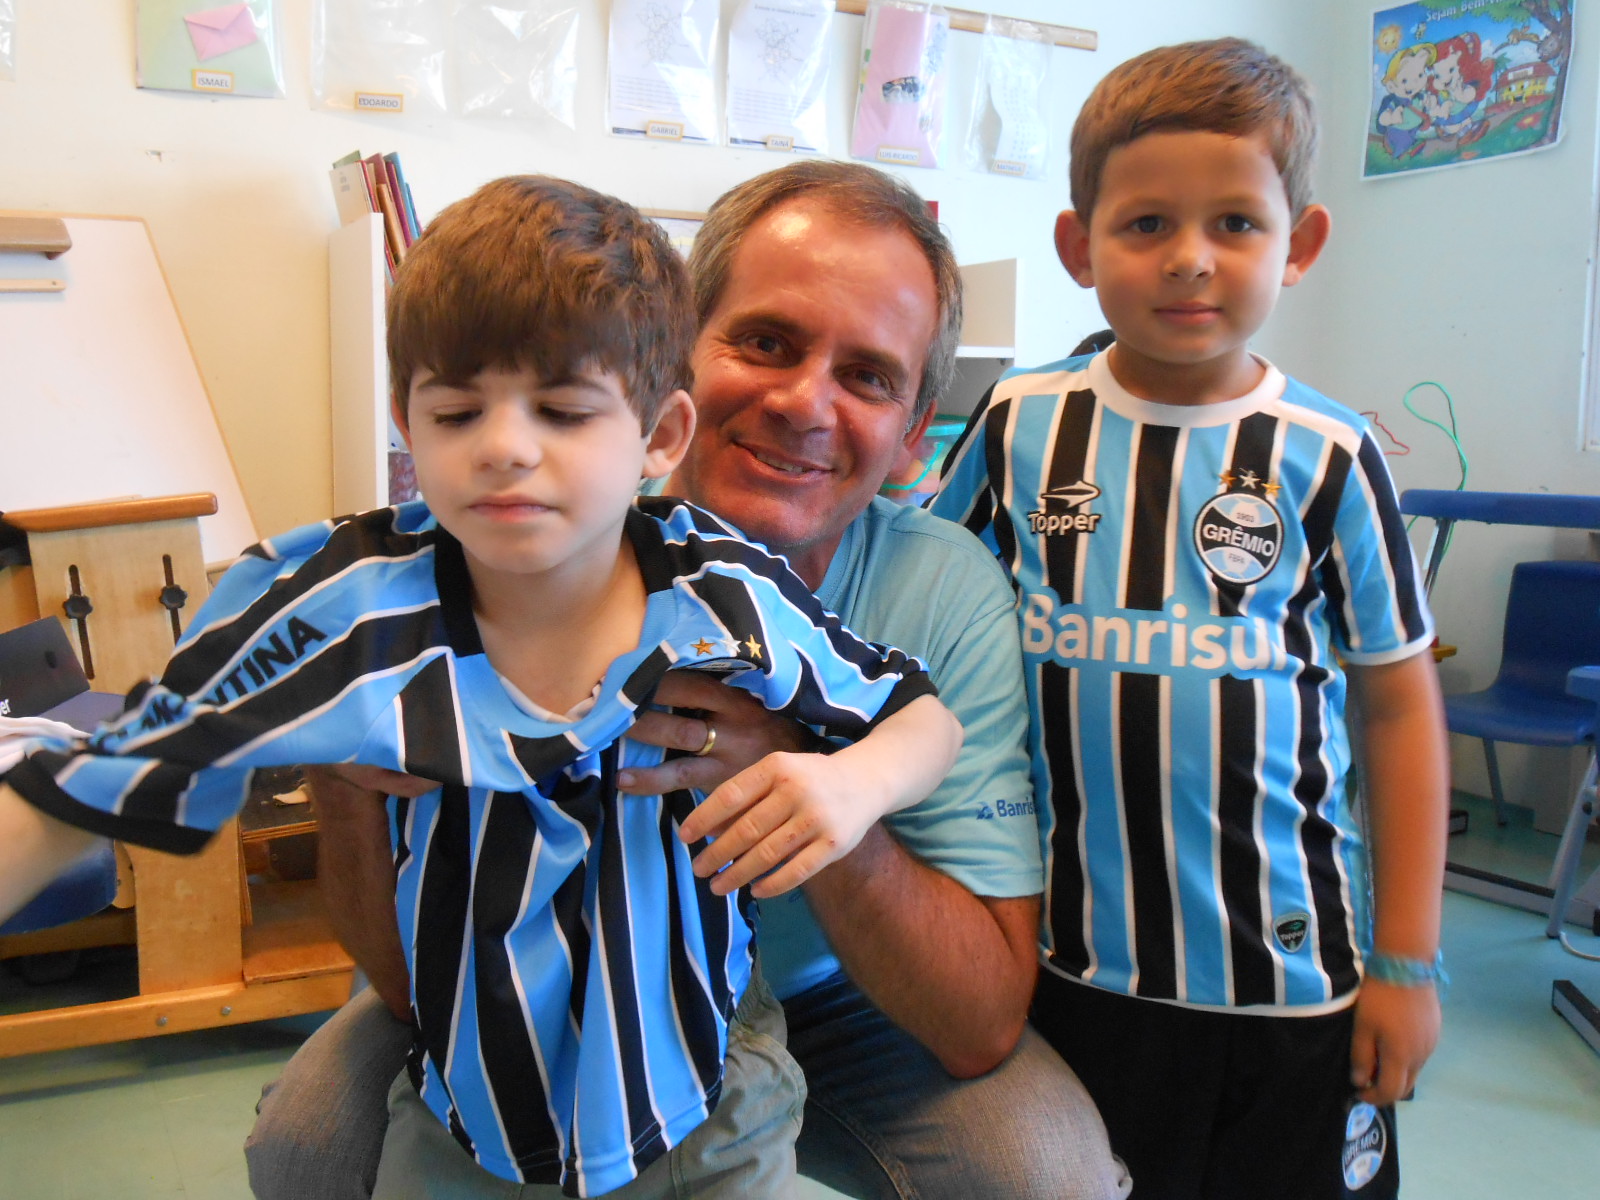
<point>376,183</point>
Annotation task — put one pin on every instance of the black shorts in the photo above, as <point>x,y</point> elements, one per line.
<point>1223,1106</point>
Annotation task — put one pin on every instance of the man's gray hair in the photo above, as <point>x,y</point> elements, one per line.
<point>852,192</point>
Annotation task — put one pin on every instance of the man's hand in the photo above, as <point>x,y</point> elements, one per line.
<point>1396,1030</point>
<point>746,733</point>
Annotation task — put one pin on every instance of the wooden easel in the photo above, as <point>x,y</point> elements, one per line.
<point>124,577</point>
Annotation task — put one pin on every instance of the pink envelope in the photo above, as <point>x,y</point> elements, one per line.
<point>218,30</point>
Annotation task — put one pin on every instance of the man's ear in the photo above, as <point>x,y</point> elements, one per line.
<point>1306,240</point>
<point>397,410</point>
<point>1072,247</point>
<point>907,453</point>
<point>668,442</point>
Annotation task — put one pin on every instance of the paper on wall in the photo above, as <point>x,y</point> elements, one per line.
<point>900,103</point>
<point>778,74</point>
<point>515,59</point>
<point>226,49</point>
<point>659,81</point>
<point>379,56</point>
<point>1008,133</point>
<point>8,50</point>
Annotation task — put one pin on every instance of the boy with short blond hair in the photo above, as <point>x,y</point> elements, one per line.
<point>1204,551</point>
<point>587,1016</point>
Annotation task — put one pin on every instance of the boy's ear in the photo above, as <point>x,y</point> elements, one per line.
<point>397,410</point>
<point>1306,240</point>
<point>1072,247</point>
<point>668,442</point>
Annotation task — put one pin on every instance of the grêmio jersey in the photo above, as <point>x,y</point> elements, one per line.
<point>1188,579</point>
<point>572,980</point>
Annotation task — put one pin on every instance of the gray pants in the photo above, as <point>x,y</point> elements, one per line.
<point>882,1119</point>
<point>745,1148</point>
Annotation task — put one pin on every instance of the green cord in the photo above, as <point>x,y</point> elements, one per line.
<point>1451,433</point>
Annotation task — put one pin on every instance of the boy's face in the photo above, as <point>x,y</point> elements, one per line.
<point>1190,240</point>
<point>534,477</point>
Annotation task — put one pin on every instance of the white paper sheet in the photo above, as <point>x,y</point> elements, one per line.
<point>1009,134</point>
<point>660,82</point>
<point>778,74</point>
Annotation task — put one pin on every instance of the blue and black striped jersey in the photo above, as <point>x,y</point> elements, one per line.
<point>1187,580</point>
<point>572,979</point>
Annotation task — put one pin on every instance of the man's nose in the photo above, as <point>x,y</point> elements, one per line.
<point>805,398</point>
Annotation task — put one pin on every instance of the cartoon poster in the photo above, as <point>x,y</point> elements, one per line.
<point>1461,81</point>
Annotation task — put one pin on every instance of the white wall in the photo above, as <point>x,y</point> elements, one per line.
<point>237,196</point>
<point>1475,277</point>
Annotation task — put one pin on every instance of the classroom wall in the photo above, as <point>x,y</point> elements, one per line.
<point>1476,277</point>
<point>236,192</point>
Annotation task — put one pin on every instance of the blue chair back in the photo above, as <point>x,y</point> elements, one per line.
<point>1552,624</point>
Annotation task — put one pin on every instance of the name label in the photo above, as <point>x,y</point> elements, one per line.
<point>380,102</point>
<point>666,131</point>
<point>901,155</point>
<point>1005,166</point>
<point>211,81</point>
<point>780,141</point>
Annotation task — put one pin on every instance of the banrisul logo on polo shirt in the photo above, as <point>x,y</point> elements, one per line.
<point>1239,534</point>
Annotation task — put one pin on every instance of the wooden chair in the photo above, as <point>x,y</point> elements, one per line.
<point>213,947</point>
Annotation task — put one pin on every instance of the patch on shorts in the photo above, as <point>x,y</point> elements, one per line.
<point>1365,1144</point>
<point>1290,930</point>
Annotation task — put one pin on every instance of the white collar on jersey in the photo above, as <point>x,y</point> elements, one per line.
<point>1183,416</point>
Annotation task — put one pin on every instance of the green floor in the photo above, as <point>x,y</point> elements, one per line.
<point>1509,1106</point>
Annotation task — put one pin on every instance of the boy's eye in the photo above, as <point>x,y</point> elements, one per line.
<point>1147,224</point>
<point>454,416</point>
<point>566,416</point>
<point>1237,223</point>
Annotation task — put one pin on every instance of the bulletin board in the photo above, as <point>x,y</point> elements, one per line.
<point>100,397</point>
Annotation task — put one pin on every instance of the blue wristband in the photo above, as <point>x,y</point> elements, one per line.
<point>1407,972</point>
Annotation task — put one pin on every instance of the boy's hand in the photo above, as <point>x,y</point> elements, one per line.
<point>1396,1029</point>
<point>808,810</point>
<point>746,731</point>
<point>359,781</point>
<point>803,808</point>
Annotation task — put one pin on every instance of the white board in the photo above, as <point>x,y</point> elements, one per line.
<point>100,397</point>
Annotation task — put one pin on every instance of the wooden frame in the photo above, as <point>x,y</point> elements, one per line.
<point>213,948</point>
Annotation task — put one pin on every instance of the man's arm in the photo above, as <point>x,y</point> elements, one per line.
<point>355,872</point>
<point>34,849</point>
<point>954,970</point>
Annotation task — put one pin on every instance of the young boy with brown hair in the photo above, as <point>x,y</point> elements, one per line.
<point>1205,551</point>
<point>586,1013</point>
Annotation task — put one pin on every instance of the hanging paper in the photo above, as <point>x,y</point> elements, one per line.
<point>660,81</point>
<point>1462,82</point>
<point>778,74</point>
<point>900,104</point>
<point>379,56</point>
<point>515,59</point>
<point>1008,133</point>
<point>227,49</point>
<point>8,52</point>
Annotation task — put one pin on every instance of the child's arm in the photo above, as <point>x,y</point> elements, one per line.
<point>1405,780</point>
<point>34,849</point>
<point>808,810</point>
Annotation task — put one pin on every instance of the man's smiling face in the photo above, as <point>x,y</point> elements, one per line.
<point>805,379</point>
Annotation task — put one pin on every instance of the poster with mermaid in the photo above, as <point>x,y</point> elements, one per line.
<point>1462,81</point>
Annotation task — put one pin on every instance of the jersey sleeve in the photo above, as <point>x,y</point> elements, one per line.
<point>761,627</point>
<point>263,677</point>
<point>965,494</point>
<point>1376,603</point>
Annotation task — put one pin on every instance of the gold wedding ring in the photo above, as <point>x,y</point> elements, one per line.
<point>711,740</point>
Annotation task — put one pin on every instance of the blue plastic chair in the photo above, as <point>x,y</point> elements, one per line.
<point>1583,683</point>
<point>1552,625</point>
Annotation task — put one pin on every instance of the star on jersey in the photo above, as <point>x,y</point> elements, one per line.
<point>1249,480</point>
<point>703,647</point>
<point>753,646</point>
